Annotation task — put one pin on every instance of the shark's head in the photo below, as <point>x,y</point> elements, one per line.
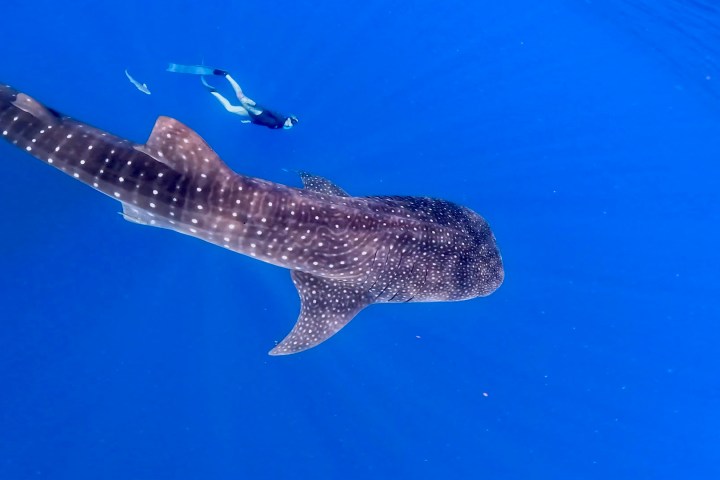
<point>484,268</point>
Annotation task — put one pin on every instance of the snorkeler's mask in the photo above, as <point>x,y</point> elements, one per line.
<point>290,122</point>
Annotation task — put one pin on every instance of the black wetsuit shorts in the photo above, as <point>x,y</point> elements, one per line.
<point>268,118</point>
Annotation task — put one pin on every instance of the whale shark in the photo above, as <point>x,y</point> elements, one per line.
<point>344,252</point>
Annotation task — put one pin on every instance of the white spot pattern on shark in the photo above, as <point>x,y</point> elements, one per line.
<point>345,252</point>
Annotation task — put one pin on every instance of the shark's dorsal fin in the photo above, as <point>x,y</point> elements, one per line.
<point>321,185</point>
<point>179,147</point>
<point>36,109</point>
<point>326,306</point>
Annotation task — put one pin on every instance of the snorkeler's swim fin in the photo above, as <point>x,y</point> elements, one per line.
<point>195,69</point>
<point>209,87</point>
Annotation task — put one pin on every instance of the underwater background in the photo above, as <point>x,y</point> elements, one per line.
<point>585,132</point>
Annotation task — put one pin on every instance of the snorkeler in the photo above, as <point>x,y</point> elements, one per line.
<point>250,111</point>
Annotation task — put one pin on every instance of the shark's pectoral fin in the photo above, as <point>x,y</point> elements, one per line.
<point>327,306</point>
<point>140,216</point>
<point>321,185</point>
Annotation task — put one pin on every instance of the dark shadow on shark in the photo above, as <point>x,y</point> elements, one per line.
<point>344,252</point>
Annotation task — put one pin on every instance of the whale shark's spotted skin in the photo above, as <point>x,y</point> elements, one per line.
<point>345,252</point>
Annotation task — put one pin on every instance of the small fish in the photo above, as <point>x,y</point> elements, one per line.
<point>344,252</point>
<point>140,86</point>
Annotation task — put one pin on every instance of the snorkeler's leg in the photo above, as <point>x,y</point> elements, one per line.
<point>238,91</point>
<point>236,109</point>
<point>235,86</point>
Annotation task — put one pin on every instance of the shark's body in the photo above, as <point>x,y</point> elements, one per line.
<point>345,252</point>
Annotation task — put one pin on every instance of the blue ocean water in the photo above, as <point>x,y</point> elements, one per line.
<point>586,133</point>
